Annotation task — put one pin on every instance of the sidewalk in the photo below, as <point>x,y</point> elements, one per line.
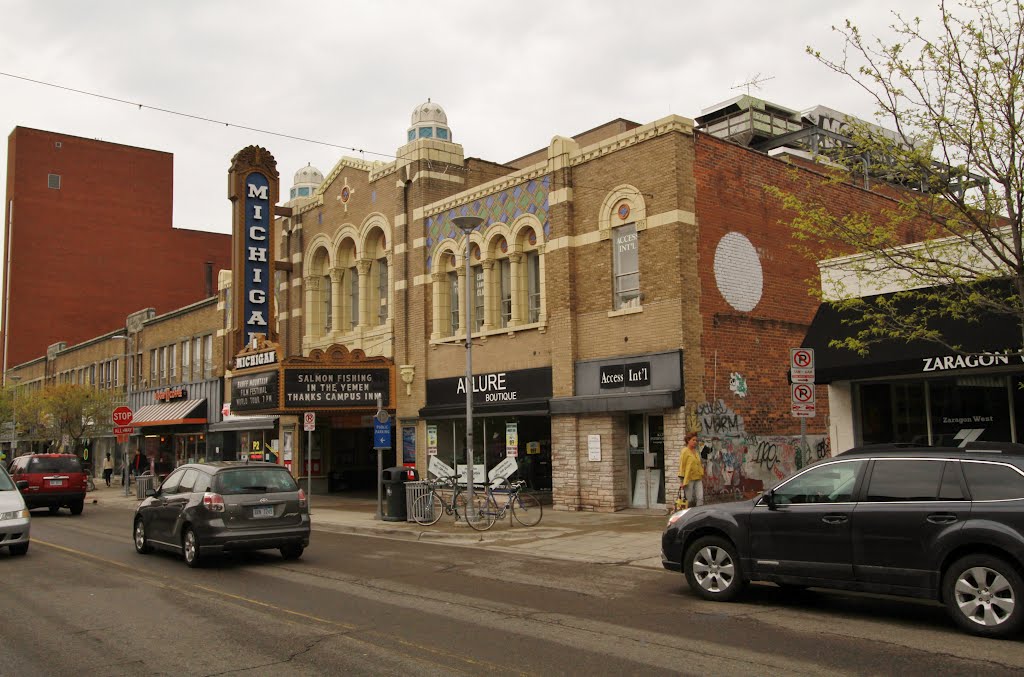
<point>624,538</point>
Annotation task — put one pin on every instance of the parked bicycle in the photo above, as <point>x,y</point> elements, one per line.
<point>525,507</point>
<point>444,496</point>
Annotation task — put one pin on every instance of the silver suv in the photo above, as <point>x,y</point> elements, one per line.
<point>937,523</point>
<point>202,509</point>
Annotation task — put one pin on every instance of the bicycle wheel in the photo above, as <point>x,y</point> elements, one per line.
<point>527,509</point>
<point>427,509</point>
<point>482,516</point>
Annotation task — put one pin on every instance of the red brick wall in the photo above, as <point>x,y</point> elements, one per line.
<point>731,197</point>
<point>101,247</point>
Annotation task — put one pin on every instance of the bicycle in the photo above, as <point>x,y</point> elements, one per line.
<point>428,508</point>
<point>525,507</point>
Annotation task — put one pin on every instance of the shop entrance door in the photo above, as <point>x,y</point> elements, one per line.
<point>646,449</point>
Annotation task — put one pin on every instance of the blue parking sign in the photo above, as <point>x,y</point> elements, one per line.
<point>381,434</point>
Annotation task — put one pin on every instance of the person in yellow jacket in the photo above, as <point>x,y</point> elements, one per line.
<point>691,472</point>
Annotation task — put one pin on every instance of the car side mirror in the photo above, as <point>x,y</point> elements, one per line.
<point>21,484</point>
<point>150,492</point>
<point>769,498</point>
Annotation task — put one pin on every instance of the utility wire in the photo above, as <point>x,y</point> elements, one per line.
<point>282,135</point>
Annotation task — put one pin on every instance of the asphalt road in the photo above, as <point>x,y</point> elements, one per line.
<point>82,602</point>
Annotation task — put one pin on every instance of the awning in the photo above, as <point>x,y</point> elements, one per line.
<point>233,422</point>
<point>181,412</point>
<point>537,407</point>
<point>984,340</point>
<point>595,404</point>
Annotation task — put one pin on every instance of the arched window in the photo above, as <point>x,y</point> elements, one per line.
<point>532,286</point>
<point>382,290</point>
<point>478,290</point>
<point>319,318</point>
<point>352,278</point>
<point>346,293</point>
<point>326,302</point>
<point>375,247</point>
<point>453,303</point>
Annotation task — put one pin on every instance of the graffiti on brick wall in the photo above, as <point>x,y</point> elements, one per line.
<point>740,465</point>
<point>738,384</point>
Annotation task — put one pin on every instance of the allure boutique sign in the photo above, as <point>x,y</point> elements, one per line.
<point>502,387</point>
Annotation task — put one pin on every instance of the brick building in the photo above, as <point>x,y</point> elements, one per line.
<point>628,285</point>
<point>89,239</point>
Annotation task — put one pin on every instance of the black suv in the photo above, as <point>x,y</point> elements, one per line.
<point>209,508</point>
<point>930,522</point>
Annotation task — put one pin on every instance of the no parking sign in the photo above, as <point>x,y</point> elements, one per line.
<point>802,400</point>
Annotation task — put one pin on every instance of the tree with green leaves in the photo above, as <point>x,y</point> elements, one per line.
<point>952,239</point>
<point>75,411</point>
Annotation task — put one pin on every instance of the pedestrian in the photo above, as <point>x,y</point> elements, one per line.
<point>108,468</point>
<point>140,464</point>
<point>691,472</point>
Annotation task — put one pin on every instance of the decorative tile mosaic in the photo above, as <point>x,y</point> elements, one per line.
<point>503,207</point>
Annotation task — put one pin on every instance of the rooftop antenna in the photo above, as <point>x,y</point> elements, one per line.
<point>754,82</point>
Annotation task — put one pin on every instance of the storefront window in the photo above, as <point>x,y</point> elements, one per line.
<point>968,408</point>
<point>490,437</point>
<point>893,412</point>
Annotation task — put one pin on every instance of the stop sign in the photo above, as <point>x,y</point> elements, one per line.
<point>122,416</point>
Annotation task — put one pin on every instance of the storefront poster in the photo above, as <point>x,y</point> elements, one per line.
<point>532,448</point>
<point>511,440</point>
<point>594,447</point>
<point>409,444</point>
<point>432,440</point>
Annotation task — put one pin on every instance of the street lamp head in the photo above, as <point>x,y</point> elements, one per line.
<point>467,223</point>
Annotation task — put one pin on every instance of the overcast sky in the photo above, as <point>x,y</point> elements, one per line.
<point>510,75</point>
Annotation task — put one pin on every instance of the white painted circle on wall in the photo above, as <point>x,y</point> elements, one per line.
<point>738,272</point>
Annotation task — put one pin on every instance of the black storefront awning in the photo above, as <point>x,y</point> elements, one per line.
<point>596,404</point>
<point>534,407</point>
<point>243,423</point>
<point>180,412</point>
<point>983,340</point>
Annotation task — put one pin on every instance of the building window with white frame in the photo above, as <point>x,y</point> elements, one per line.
<point>186,365</point>
<point>174,361</point>
<point>197,358</point>
<point>532,286</point>
<point>626,266</point>
<point>382,290</point>
<point>208,355</point>
<point>504,292</point>
<point>453,302</point>
<point>327,303</point>
<point>353,297</point>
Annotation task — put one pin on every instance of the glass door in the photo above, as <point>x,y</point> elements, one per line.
<point>646,451</point>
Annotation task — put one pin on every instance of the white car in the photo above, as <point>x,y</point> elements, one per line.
<point>14,516</point>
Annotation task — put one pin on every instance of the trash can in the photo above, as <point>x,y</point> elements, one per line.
<point>144,483</point>
<point>394,495</point>
<point>413,491</point>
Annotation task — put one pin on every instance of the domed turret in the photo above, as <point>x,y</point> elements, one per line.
<point>307,180</point>
<point>429,122</point>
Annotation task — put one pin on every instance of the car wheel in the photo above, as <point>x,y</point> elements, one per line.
<point>292,551</point>
<point>54,509</point>
<point>713,569</point>
<point>77,506</point>
<point>20,549</point>
<point>139,536</point>
<point>190,546</point>
<point>982,594</point>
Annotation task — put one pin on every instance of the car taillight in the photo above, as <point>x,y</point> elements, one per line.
<point>213,502</point>
<point>302,498</point>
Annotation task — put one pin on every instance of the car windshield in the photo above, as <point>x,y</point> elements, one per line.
<point>5,481</point>
<point>254,481</point>
<point>54,464</point>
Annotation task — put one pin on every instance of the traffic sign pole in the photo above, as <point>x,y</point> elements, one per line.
<point>309,424</point>
<point>122,418</point>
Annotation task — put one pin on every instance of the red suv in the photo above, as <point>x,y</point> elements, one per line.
<point>54,481</point>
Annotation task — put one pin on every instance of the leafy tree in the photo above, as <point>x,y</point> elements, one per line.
<point>77,411</point>
<point>952,240</point>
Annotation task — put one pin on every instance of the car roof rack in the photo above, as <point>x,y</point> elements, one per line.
<point>977,446</point>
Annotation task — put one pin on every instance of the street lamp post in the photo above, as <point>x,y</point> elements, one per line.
<point>14,413</point>
<point>127,389</point>
<point>466,224</point>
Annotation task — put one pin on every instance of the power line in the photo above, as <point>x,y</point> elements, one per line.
<point>201,118</point>
<point>192,116</point>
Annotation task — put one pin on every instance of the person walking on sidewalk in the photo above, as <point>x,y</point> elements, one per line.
<point>691,472</point>
<point>108,468</point>
<point>140,464</point>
